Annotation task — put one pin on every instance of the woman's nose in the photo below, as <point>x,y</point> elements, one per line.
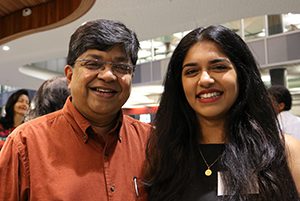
<point>206,79</point>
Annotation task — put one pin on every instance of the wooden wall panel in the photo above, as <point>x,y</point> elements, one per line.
<point>10,6</point>
<point>44,16</point>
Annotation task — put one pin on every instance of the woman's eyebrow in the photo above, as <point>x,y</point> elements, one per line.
<point>218,60</point>
<point>189,64</point>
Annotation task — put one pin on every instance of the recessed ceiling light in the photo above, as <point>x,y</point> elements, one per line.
<point>5,48</point>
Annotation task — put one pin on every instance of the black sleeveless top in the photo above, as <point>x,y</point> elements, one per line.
<point>202,187</point>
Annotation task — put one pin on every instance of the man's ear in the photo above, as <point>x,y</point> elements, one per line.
<point>68,73</point>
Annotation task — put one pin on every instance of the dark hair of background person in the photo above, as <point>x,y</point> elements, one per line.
<point>281,95</point>
<point>102,35</point>
<point>253,139</point>
<point>8,120</point>
<point>50,96</point>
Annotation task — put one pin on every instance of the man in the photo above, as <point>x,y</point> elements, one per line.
<point>282,102</point>
<point>88,150</point>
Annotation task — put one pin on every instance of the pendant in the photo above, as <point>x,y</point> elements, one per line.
<point>208,172</point>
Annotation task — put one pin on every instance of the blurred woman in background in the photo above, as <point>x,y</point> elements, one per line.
<point>16,108</point>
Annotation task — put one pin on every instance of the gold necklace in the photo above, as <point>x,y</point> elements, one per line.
<point>208,171</point>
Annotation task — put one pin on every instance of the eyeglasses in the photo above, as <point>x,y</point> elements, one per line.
<point>119,69</point>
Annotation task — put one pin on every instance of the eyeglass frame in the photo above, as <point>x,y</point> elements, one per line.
<point>130,68</point>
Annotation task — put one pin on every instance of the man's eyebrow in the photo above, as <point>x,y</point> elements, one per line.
<point>95,56</point>
<point>116,59</point>
<point>121,59</point>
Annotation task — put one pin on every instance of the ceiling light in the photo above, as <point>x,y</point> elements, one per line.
<point>5,48</point>
<point>26,12</point>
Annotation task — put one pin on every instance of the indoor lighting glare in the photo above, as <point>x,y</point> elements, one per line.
<point>5,48</point>
<point>266,78</point>
<point>291,18</point>
<point>261,34</point>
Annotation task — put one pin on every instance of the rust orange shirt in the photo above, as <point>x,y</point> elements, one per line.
<point>57,157</point>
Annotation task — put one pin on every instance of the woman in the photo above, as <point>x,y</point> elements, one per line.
<point>16,108</point>
<point>216,135</point>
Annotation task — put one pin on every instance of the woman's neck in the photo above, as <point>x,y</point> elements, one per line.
<point>18,119</point>
<point>212,132</point>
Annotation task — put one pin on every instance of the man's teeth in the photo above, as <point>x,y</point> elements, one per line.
<point>104,90</point>
<point>209,95</point>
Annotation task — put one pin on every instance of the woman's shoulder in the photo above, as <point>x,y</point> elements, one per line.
<point>293,156</point>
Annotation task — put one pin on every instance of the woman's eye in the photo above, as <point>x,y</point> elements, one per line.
<point>219,68</point>
<point>190,72</point>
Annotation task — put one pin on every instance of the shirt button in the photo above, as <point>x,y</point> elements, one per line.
<point>112,188</point>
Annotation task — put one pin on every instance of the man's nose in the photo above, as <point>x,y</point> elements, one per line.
<point>106,73</point>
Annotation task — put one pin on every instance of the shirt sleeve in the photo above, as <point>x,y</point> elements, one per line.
<point>1,143</point>
<point>14,174</point>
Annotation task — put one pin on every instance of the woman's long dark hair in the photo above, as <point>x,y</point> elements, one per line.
<point>8,120</point>
<point>254,142</point>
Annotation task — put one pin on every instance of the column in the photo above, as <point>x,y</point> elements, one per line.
<point>278,76</point>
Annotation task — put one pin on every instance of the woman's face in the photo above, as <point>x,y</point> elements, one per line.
<point>22,105</point>
<point>209,81</point>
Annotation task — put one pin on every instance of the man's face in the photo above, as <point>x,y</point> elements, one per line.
<point>98,93</point>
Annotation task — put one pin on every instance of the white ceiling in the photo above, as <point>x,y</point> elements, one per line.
<point>149,19</point>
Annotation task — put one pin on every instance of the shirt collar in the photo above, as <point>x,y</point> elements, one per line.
<point>78,121</point>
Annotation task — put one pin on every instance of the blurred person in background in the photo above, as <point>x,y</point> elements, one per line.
<point>15,110</point>
<point>282,103</point>
<point>50,96</point>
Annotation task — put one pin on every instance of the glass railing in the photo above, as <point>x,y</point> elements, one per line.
<point>162,47</point>
<point>248,28</point>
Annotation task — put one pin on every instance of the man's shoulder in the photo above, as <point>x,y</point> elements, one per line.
<point>135,122</point>
<point>41,123</point>
<point>141,129</point>
<point>135,130</point>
